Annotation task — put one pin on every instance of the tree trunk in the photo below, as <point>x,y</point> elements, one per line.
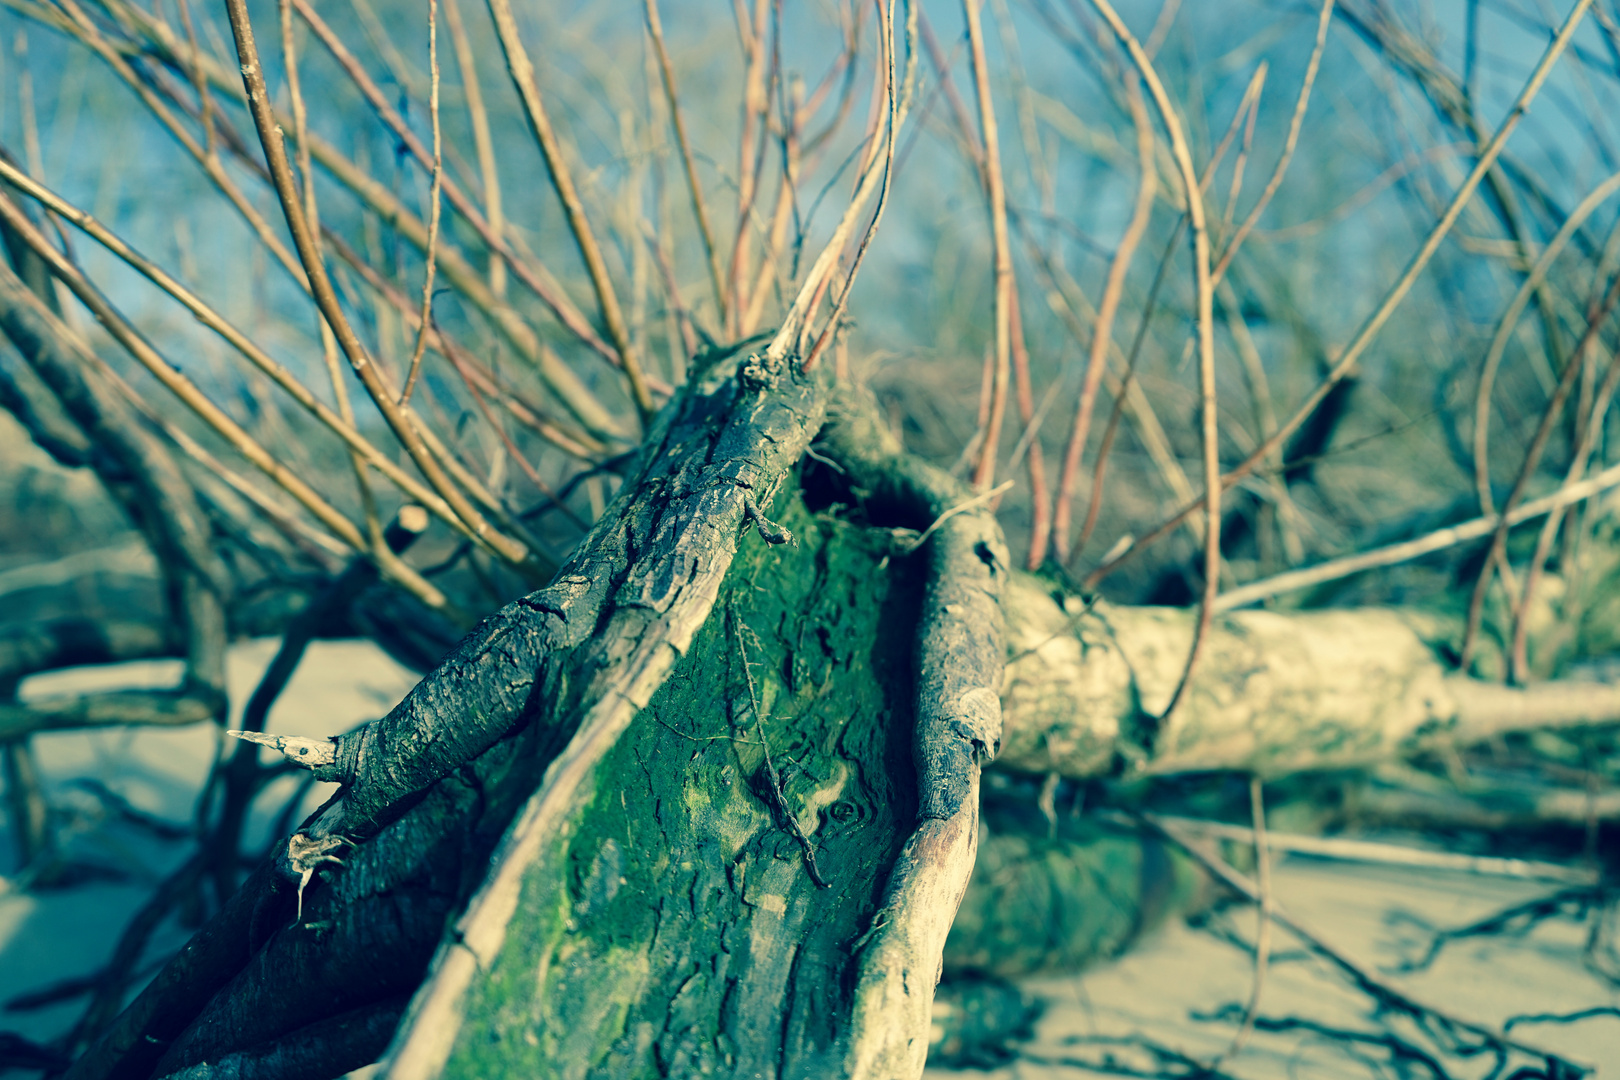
<point>708,804</point>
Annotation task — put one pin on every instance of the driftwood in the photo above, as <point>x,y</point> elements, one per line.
<point>1088,681</point>
<point>708,758</point>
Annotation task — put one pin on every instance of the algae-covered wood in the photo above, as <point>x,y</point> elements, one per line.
<point>675,928</point>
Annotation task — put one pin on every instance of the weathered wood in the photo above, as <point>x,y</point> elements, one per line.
<point>657,565</point>
<point>1276,693</point>
<point>960,652</point>
<point>651,910</point>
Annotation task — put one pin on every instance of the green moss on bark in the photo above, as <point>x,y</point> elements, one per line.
<point>675,929</point>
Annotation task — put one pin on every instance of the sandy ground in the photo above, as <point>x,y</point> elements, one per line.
<point>56,934</point>
<point>1376,916</point>
<point>1158,991</point>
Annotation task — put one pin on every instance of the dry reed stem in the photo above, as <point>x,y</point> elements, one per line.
<point>170,376</point>
<point>700,212</point>
<point>483,144</point>
<point>1103,328</point>
<point>996,195</point>
<point>1509,322</point>
<point>1407,550</point>
<point>1294,124</point>
<point>1518,654</point>
<point>1532,461</point>
<point>1392,299</point>
<point>271,139</point>
<point>1205,320</point>
<point>239,341</point>
<point>435,186</point>
<point>521,69</point>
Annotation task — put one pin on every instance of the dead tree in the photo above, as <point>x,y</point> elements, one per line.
<point>705,798</point>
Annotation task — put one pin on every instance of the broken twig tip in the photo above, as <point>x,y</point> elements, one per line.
<point>308,753</point>
<point>769,531</point>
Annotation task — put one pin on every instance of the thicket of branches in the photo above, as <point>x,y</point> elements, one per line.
<point>360,313</point>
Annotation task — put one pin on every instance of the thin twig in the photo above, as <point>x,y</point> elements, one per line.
<point>965,505</point>
<point>1592,422</point>
<point>772,778</point>
<point>751,142</point>
<point>1532,461</point>
<point>1205,322</point>
<point>1509,321</point>
<point>1040,522</point>
<point>1347,849</point>
<point>329,348</point>
<point>434,187</point>
<point>87,32</point>
<point>483,143</point>
<point>1392,299</point>
<point>796,320</point>
<point>1294,125</point>
<point>666,72</point>
<point>1408,550</point>
<point>177,383</point>
<point>1099,471</point>
<point>521,69</point>
<point>271,139</point>
<point>534,277</point>
<point>1387,996</point>
<point>894,109</point>
<point>1262,934</point>
<point>238,340</point>
<point>1102,330</point>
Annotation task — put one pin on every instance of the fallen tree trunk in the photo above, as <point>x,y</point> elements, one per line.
<point>737,780</point>
<point>1088,682</point>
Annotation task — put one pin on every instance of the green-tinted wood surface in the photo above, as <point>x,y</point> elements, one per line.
<point>675,931</point>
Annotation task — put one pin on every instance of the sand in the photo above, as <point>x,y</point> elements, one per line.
<point>1157,991</point>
